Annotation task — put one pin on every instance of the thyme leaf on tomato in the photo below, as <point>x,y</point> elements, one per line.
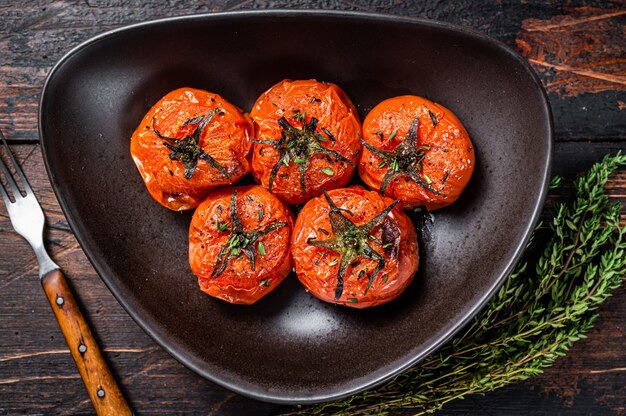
<point>299,145</point>
<point>433,118</point>
<point>241,241</point>
<point>187,149</point>
<point>350,241</point>
<point>404,160</point>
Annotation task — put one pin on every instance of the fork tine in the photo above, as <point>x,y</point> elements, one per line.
<point>18,170</point>
<point>5,196</point>
<point>10,181</point>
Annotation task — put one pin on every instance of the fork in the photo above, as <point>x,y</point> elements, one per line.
<point>28,220</point>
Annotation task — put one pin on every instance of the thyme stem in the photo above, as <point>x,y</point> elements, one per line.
<point>549,302</point>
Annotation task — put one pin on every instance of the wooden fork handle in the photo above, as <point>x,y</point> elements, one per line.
<point>104,392</point>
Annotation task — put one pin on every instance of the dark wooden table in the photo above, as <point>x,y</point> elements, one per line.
<point>578,49</point>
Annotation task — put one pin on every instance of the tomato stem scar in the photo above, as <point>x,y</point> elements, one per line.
<point>298,145</point>
<point>404,160</point>
<point>351,241</point>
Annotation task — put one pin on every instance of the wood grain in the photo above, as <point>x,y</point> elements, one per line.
<point>37,375</point>
<point>581,57</point>
<point>36,34</point>
<point>105,395</point>
<point>578,52</point>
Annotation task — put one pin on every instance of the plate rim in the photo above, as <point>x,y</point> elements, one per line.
<point>150,326</point>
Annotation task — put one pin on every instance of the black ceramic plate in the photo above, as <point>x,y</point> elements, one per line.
<point>290,347</point>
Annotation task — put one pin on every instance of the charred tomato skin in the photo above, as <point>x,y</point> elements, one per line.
<point>210,230</point>
<point>334,112</point>
<point>448,161</point>
<point>317,268</point>
<point>225,139</point>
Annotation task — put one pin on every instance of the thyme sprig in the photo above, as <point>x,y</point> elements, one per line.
<point>298,145</point>
<point>351,241</point>
<point>404,160</point>
<point>240,240</point>
<point>187,149</point>
<point>549,302</point>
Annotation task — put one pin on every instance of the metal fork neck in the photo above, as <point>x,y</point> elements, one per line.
<point>46,265</point>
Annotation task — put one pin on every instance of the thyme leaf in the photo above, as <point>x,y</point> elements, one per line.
<point>433,118</point>
<point>221,226</point>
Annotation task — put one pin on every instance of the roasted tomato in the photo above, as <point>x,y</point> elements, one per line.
<point>239,244</point>
<point>354,247</point>
<point>416,151</point>
<point>307,139</point>
<point>190,142</point>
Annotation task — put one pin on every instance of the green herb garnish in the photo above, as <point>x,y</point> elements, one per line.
<point>300,144</point>
<point>351,241</point>
<point>298,115</point>
<point>321,138</point>
<point>404,160</point>
<point>241,240</point>
<point>187,149</point>
<point>222,226</point>
<point>433,118</point>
